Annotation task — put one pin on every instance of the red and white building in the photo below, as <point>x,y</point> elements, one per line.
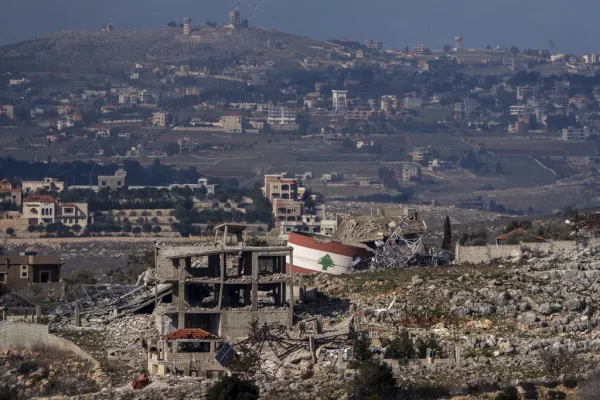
<point>320,254</point>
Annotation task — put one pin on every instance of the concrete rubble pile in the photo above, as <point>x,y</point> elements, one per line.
<point>109,301</point>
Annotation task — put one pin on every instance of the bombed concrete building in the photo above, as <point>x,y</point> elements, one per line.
<point>217,292</point>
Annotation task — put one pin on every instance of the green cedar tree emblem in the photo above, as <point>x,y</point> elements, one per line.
<point>326,262</point>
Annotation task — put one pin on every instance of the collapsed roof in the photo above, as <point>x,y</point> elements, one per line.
<point>13,300</point>
<point>101,299</point>
<point>368,228</point>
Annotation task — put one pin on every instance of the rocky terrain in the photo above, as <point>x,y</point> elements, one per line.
<point>505,318</point>
<point>529,321</point>
<point>45,372</point>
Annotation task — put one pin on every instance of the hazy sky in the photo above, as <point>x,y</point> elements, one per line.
<point>571,24</point>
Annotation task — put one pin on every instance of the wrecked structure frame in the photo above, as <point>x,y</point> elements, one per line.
<point>223,289</point>
<point>400,249</point>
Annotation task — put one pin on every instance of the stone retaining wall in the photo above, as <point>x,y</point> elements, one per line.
<point>23,334</point>
<point>489,252</point>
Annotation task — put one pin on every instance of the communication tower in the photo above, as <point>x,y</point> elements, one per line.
<point>458,40</point>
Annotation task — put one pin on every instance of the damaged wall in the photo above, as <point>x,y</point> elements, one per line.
<point>235,324</point>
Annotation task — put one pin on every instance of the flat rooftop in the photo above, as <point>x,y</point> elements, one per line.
<point>184,252</point>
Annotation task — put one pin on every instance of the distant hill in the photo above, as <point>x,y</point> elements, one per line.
<point>87,51</point>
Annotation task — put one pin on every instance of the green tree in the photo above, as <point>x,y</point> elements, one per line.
<point>137,230</point>
<point>515,50</point>
<point>172,24</point>
<point>156,229</point>
<point>447,48</point>
<point>76,228</point>
<point>233,388</point>
<point>171,148</point>
<point>375,381</point>
<point>147,228</point>
<point>447,238</point>
<point>10,231</point>
<point>401,348</point>
<point>361,348</point>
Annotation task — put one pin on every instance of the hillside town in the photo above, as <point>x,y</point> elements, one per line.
<point>227,211</point>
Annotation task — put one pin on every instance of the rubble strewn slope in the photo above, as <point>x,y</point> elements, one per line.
<point>504,317</point>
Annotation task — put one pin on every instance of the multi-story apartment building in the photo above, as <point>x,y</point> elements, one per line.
<point>277,187</point>
<point>389,103</point>
<point>409,172</point>
<point>417,49</point>
<point>412,101</point>
<point>232,123</point>
<point>575,134</point>
<point>466,109</point>
<point>282,116</point>
<point>287,210</point>
<point>374,44</point>
<point>359,114</point>
<point>519,110</point>
<point>420,154</point>
<point>526,92</point>
<point>161,118</point>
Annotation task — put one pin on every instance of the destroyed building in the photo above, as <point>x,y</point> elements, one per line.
<point>392,238</point>
<point>217,293</point>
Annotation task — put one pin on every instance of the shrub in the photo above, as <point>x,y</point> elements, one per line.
<point>375,381</point>
<point>27,367</point>
<point>147,228</point>
<point>156,229</point>
<point>511,393</point>
<point>555,362</point>
<point>31,228</point>
<point>10,231</point>
<point>137,230</point>
<point>234,388</point>
<point>556,395</point>
<point>570,382</point>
